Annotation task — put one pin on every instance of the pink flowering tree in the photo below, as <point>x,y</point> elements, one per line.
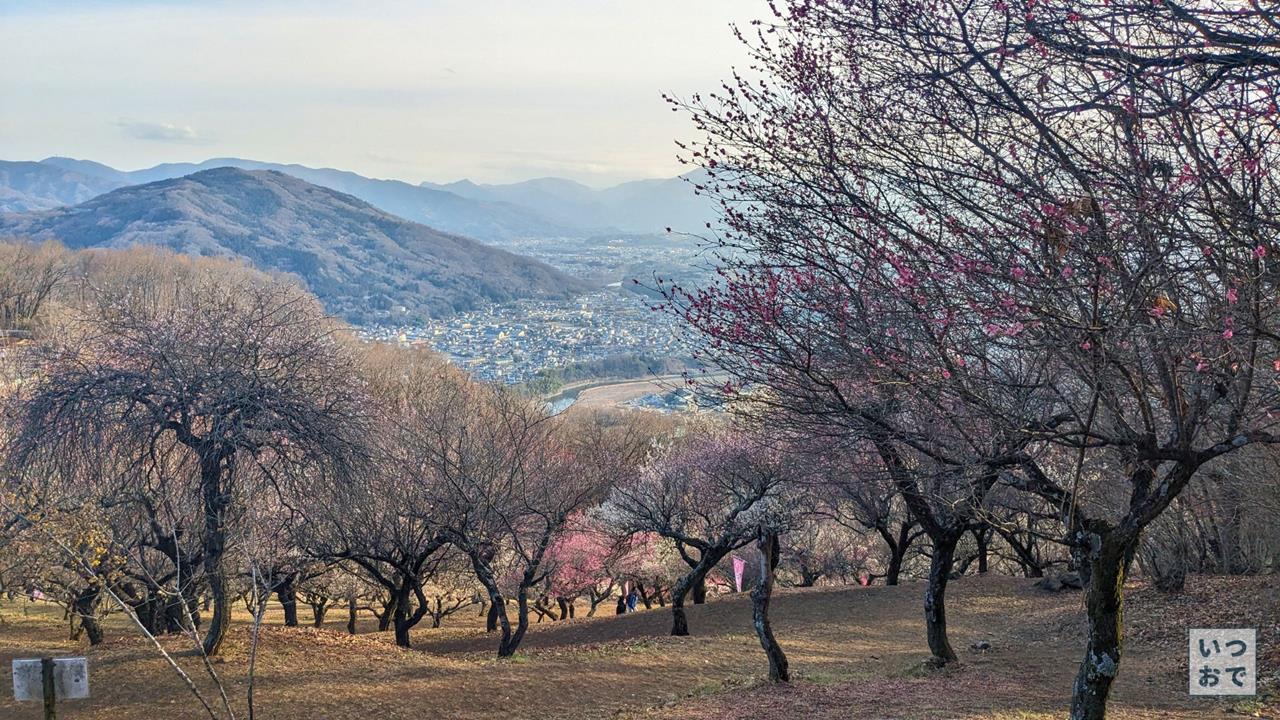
<point>585,561</point>
<point>1027,243</point>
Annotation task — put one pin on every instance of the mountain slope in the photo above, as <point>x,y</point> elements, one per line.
<point>26,186</point>
<point>490,221</point>
<point>651,205</point>
<point>362,262</point>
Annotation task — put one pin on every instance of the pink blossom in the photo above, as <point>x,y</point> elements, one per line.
<point>1260,252</point>
<point>1227,334</point>
<point>1232,296</point>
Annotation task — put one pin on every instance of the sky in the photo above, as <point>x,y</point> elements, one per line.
<point>440,90</point>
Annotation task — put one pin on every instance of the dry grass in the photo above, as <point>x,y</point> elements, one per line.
<point>855,652</point>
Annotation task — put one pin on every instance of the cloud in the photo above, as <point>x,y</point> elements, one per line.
<point>162,132</point>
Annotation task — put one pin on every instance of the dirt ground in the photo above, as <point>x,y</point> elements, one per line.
<point>855,653</point>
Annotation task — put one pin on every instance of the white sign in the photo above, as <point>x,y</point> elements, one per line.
<point>70,679</point>
<point>1223,662</point>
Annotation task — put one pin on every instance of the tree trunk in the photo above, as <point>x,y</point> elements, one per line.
<point>691,582</point>
<point>318,611</point>
<point>564,608</point>
<point>175,616</point>
<point>767,544</point>
<point>287,593</point>
<point>218,620</point>
<point>351,616</point>
<point>982,537</point>
<point>700,590</point>
<point>511,640</point>
<point>644,596</point>
<point>935,608</point>
<point>679,622</point>
<point>85,607</point>
<point>808,576</point>
<point>498,611</point>
<point>215,546</point>
<point>388,611</point>
<point>491,622</point>
<point>897,553</point>
<point>402,620</point>
<point>1104,604</point>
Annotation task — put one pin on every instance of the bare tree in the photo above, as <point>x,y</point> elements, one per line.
<point>236,372</point>
<point>29,276</point>
<point>509,479</point>
<point>706,495</point>
<point>379,517</point>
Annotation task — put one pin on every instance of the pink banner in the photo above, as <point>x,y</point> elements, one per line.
<point>738,566</point>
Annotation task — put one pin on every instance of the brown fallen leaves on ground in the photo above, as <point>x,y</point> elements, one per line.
<point>855,653</point>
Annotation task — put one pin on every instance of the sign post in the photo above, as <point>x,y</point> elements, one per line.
<point>50,696</point>
<point>49,680</point>
<point>1222,661</point>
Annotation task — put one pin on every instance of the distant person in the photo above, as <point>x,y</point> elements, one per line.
<point>622,604</point>
<point>632,597</point>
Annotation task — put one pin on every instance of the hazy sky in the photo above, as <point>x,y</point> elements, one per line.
<point>494,90</point>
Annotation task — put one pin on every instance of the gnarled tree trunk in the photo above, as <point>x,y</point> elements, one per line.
<point>691,581</point>
<point>287,594</point>
<point>511,639</point>
<point>898,546</point>
<point>935,607</point>
<point>767,544</point>
<point>215,500</point>
<point>700,590</point>
<point>491,620</point>
<point>388,612</point>
<point>85,607</point>
<point>1104,605</point>
<point>319,609</point>
<point>982,536</point>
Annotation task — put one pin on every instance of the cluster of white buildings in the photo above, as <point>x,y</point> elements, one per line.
<point>511,342</point>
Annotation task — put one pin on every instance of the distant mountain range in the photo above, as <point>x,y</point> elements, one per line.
<point>642,206</point>
<point>39,186</point>
<point>547,207</point>
<point>363,262</point>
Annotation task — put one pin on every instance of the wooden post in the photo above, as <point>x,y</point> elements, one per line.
<point>46,680</point>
